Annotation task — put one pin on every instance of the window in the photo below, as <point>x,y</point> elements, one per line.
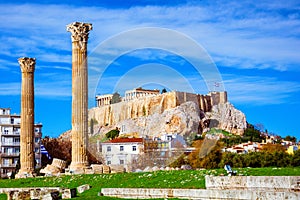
<point>12,120</point>
<point>17,150</point>
<point>108,162</point>
<point>17,140</point>
<point>36,140</point>
<point>133,148</point>
<point>36,150</point>
<point>108,148</point>
<point>123,128</point>
<point>121,148</point>
<point>5,131</point>
<point>121,162</point>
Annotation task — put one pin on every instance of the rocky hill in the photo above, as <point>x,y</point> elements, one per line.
<point>183,113</point>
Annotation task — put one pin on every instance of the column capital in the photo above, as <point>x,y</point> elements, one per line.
<point>27,64</point>
<point>80,32</point>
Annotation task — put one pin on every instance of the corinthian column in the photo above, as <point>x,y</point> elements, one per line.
<point>27,118</point>
<point>80,33</point>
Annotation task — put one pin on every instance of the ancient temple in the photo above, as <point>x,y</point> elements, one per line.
<point>79,35</point>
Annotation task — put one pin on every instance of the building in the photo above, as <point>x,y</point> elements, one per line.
<point>138,93</point>
<point>10,142</point>
<point>122,151</point>
<point>291,149</point>
<point>165,149</point>
<point>103,100</point>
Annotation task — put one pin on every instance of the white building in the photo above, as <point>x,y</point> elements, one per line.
<point>10,142</point>
<point>121,151</point>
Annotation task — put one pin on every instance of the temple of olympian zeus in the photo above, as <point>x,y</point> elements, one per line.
<point>79,35</point>
<point>27,118</point>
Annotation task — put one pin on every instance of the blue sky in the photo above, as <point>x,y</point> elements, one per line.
<point>255,47</point>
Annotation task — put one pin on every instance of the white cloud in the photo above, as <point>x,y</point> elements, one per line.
<point>259,90</point>
<point>223,32</point>
<point>255,36</point>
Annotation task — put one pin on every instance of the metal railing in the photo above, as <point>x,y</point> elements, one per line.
<point>11,133</point>
<point>9,154</point>
<point>10,143</point>
<point>7,165</point>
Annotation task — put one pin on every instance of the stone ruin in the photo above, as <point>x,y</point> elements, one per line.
<point>58,166</point>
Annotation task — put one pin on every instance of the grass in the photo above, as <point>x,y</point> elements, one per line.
<point>160,179</point>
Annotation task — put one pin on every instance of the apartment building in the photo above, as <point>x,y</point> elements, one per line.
<point>121,151</point>
<point>10,142</point>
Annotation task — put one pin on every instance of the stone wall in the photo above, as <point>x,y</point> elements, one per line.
<point>114,113</point>
<point>204,194</point>
<point>266,183</point>
<point>221,187</point>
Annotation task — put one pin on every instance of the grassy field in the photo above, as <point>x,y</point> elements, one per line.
<point>159,179</point>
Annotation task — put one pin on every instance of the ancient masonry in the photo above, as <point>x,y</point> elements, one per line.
<point>27,118</point>
<point>79,35</point>
<point>149,105</point>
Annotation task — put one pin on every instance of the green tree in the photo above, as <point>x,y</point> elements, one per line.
<point>164,90</point>
<point>112,134</point>
<point>295,162</point>
<point>290,138</point>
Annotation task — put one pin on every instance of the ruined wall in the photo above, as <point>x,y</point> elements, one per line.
<point>114,113</point>
<point>111,114</point>
<point>221,187</point>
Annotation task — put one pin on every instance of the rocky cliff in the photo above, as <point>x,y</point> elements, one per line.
<point>174,112</point>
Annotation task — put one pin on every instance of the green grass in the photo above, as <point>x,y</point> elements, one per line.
<point>160,179</point>
<point>218,131</point>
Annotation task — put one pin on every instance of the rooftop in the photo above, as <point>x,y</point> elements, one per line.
<point>125,140</point>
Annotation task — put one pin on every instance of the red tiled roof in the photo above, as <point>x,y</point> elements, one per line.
<point>125,140</point>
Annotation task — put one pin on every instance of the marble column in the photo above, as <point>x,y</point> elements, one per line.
<point>79,35</point>
<point>27,118</point>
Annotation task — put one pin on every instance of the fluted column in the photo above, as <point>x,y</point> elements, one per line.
<point>80,33</point>
<point>27,118</point>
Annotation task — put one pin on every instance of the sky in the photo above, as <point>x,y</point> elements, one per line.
<point>252,46</point>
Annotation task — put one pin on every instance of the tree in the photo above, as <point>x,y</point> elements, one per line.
<point>164,90</point>
<point>290,138</point>
<point>116,98</point>
<point>61,149</point>
<point>271,148</point>
<point>296,159</point>
<point>207,154</point>
<point>113,134</point>
<point>252,134</point>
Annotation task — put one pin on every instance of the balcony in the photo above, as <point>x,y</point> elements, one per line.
<point>7,165</point>
<point>9,154</point>
<point>10,144</point>
<point>15,133</point>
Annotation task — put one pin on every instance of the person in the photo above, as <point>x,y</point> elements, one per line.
<point>228,169</point>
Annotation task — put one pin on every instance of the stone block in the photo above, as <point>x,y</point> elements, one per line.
<point>117,169</point>
<point>83,188</point>
<point>68,193</point>
<point>88,171</point>
<point>106,169</point>
<point>60,164</point>
<point>35,193</point>
<point>98,169</point>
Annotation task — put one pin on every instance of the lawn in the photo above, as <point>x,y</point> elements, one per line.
<point>159,179</point>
